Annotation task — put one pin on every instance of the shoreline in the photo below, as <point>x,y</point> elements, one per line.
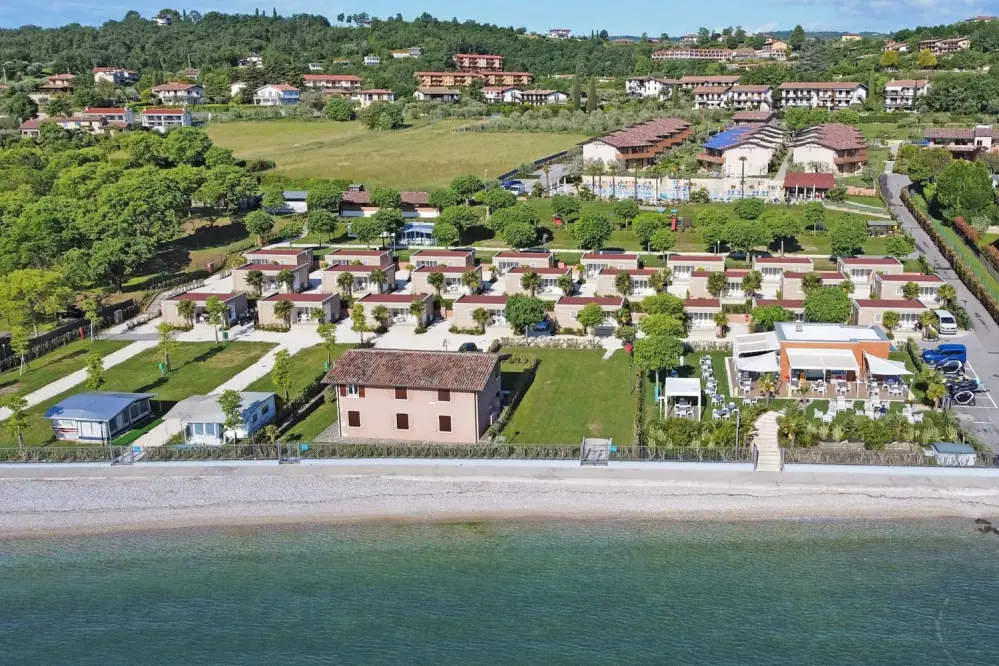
<point>58,503</point>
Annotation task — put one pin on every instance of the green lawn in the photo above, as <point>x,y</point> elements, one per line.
<point>56,364</point>
<point>306,365</point>
<point>575,394</point>
<point>198,368</point>
<point>312,425</point>
<point>421,157</point>
<point>872,130</point>
<point>691,368</point>
<point>968,257</point>
<point>867,201</point>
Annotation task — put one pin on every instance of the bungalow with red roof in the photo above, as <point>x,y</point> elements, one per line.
<point>466,305</point>
<point>288,256</point>
<point>236,303</point>
<point>594,262</point>
<point>442,258</point>
<point>861,269</point>
<point>795,305</point>
<point>772,268</point>
<point>640,280</point>
<point>733,293</point>
<point>892,286</point>
<point>300,277</point>
<point>701,312</point>
<point>549,280</point>
<point>791,282</point>
<point>349,256</point>
<point>303,311</point>
<point>867,311</point>
<point>454,280</point>
<point>31,128</point>
<point>807,186</point>
<point>179,94</point>
<point>966,142</point>
<point>680,266</point>
<point>508,260</point>
<point>398,307</point>
<point>414,204</point>
<point>163,120</point>
<point>837,148</point>
<point>276,94</point>
<point>567,310</point>
<point>363,282</point>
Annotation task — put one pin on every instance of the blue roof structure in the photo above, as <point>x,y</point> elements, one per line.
<point>94,406</point>
<point>729,138</point>
<point>952,447</point>
<point>295,195</point>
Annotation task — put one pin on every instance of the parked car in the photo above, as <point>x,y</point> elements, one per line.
<point>515,186</point>
<point>946,323</point>
<point>947,352</point>
<point>468,347</point>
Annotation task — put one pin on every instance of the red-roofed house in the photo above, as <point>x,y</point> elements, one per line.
<point>893,285</point>
<point>162,120</point>
<point>798,185</point>
<point>366,98</point>
<point>363,283</point>
<point>502,94</point>
<point>698,287</point>
<point>300,275</point>
<point>640,280</point>
<point>442,258</point>
<point>117,114</point>
<point>276,94</point>
<point>465,307</point>
<point>398,308</point>
<point>177,94</point>
<point>701,312</point>
<point>867,311</point>
<point>347,257</point>
<point>414,204</point>
<point>332,82</point>
<point>773,268</point>
<point>303,308</point>
<point>832,95</point>
<point>549,276</point>
<point>288,256</point>
<point>839,149</point>
<point>681,266</point>
<point>797,306</point>
<point>567,310</point>
<point>453,279</point>
<point>791,285</point>
<point>638,146</point>
<point>508,260</point>
<point>236,303</point>
<point>860,270</point>
<point>594,262</point>
<point>31,128</point>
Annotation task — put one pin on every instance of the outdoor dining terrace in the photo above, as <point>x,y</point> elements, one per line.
<point>831,385</point>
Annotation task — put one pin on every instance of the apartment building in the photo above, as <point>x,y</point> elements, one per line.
<point>276,94</point>
<point>475,62</point>
<point>743,150</point>
<point>366,98</point>
<point>832,95</point>
<point>961,141</point>
<point>464,79</point>
<point>693,53</point>
<point>502,94</point>
<point>163,120</point>
<point>650,86</point>
<point>179,94</point>
<point>892,45</point>
<point>325,82</point>
<point>710,97</point>
<point>118,76</point>
<point>543,97</point>
<point>436,94</point>
<point>114,116</point>
<point>945,46</point>
<point>699,81</point>
<point>750,98</point>
<point>903,95</point>
<point>559,33</point>
<point>833,148</point>
<point>638,146</point>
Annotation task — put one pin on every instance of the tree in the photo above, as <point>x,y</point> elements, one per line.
<point>231,404</point>
<point>888,59</point>
<point>366,229</point>
<point>656,353</point>
<point>590,316</point>
<point>577,95</point>
<point>322,222</point>
<point>466,186</point>
<point>382,116</point>
<point>377,276</point>
<point>964,188</point>
<point>565,206</point>
<point>187,145</point>
<point>345,283</point>
<point>947,294</point>
<point>530,282</point>
<point>359,320</point>
<point>899,246</point>
<point>223,189</point>
<point>910,290</point>
<point>847,286</point>
<point>752,282</point>
<point>623,284</point>
<point>59,106</point>
<point>93,316</point>
<point>386,197</point>
<point>95,371</point>
<point>17,422</point>
<point>324,195</point>
<point>927,320</point>
<point>446,234</point>
<point>847,237</point>
<point>815,215</point>
<point>764,317</point>
<point>890,319</point>
<point>496,198</point>
<point>646,224</point>
<point>338,109</point>
<point>21,107</point>
<point>523,312</point>
<point>749,208</point>
<point>713,235</point>
<point>591,96</point>
<point>389,220</point>
<point>827,305</point>
<point>327,332</point>
<point>461,217</point>
<point>591,231</point>
<point>936,392</point>
<point>782,226</point>
<point>566,284</point>
<point>746,235</point>
<point>417,308</point>
<point>797,39</point>
<point>281,372</point>
<point>659,281</point>
<point>664,304</point>
<point>470,280</point>
<point>187,309</point>
<point>260,223</point>
<point>627,210</point>
<point>20,344</point>
<point>166,345</point>
<point>481,317</point>
<point>217,313</point>
<point>273,199</point>
<point>717,284</point>
<point>519,235</point>
<point>32,294</point>
<point>520,213</point>
<point>436,280</point>
<point>925,59</point>
<point>927,163</point>
<point>662,325</point>
<point>810,282</point>
<point>442,198</point>
<point>721,323</point>
<point>286,279</point>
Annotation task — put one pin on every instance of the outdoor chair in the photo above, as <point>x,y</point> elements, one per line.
<point>819,415</point>
<point>828,417</point>
<point>715,414</point>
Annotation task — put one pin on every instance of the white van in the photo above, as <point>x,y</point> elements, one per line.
<point>946,324</point>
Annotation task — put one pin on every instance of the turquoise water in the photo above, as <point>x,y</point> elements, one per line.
<point>886,593</point>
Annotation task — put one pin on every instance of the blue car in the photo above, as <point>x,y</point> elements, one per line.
<point>944,353</point>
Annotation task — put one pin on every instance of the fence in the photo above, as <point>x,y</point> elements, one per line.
<point>819,456</point>
<point>537,164</point>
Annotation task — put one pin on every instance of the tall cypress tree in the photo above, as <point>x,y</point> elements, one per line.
<point>576,94</point>
<point>591,95</point>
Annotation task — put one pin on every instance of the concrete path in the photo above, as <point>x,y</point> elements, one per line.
<point>69,381</point>
<point>983,342</point>
<point>765,440</point>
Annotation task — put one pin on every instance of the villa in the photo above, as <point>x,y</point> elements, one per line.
<point>549,276</point>
<point>465,306</point>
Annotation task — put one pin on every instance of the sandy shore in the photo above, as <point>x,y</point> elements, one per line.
<point>58,501</point>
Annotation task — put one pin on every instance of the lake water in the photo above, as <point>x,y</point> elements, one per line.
<point>809,592</point>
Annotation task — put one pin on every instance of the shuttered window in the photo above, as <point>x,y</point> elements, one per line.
<point>401,393</point>
<point>354,419</point>
<point>444,423</point>
<point>443,396</point>
<point>402,421</point>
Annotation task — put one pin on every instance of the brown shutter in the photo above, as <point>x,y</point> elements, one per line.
<point>354,419</point>
<point>360,391</point>
<point>402,421</point>
<point>444,423</point>
<point>343,391</point>
<point>401,393</point>
<point>443,395</point>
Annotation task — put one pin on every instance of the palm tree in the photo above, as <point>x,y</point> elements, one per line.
<point>614,168</point>
<point>721,323</point>
<point>378,277</point>
<point>598,168</point>
<point>380,314</point>
<point>890,320</point>
<point>791,424</point>
<point>317,315</point>
<point>947,294</point>
<point>187,309</point>
<point>659,281</point>
<point>810,282</point>
<point>623,284</point>
<point>768,385</point>
<point>566,284</point>
<point>471,281</point>
<point>936,392</point>
<point>283,309</point>
<point>255,279</point>
<point>345,283</point>
<point>752,283</point>
<point>547,169</point>
<point>418,308</point>
<point>927,320</point>
<point>287,278</point>
<point>436,280</point>
<point>481,317</point>
<point>530,282</point>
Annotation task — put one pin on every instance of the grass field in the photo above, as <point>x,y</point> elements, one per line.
<point>421,157</point>
<point>306,365</point>
<point>56,364</point>
<point>198,367</point>
<point>575,394</point>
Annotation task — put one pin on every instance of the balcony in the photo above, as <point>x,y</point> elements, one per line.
<point>854,158</point>
<point>711,159</point>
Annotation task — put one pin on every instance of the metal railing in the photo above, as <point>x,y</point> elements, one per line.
<point>820,456</point>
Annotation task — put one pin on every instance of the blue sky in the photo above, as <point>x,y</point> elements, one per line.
<point>626,17</point>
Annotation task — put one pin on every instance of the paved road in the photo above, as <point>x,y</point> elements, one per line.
<point>982,343</point>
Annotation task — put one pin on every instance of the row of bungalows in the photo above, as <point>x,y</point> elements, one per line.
<point>640,145</point>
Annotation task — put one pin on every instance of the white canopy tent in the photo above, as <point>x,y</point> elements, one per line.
<point>758,364</point>
<point>675,387</point>
<point>800,358</point>
<point>885,368</point>
<point>754,343</point>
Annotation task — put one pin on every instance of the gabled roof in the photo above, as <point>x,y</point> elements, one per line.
<point>603,301</point>
<point>409,198</point>
<point>835,136</point>
<point>890,303</point>
<point>909,277</point>
<point>331,77</point>
<point>820,181</point>
<point>177,87</point>
<point>449,371</point>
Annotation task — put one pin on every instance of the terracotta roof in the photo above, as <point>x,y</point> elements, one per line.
<point>751,116</point>
<point>305,297</point>
<point>357,253</point>
<point>948,133</point>
<point>705,90</point>
<point>281,252</point>
<point>442,253</point>
<point>825,275</point>
<point>541,270</point>
<point>645,134</point>
<point>783,260</point>
<point>820,85</point>
<point>461,270</point>
<point>907,83</point>
<point>787,303</point>
<point>162,112</point>
<point>872,261</point>
<point>731,272</point>
<point>615,301</point>
<point>835,136</point>
<point>890,303</point>
<point>107,111</point>
<point>702,303</point>
<point>451,371</point>
<point>410,198</point>
<point>478,55</point>
<point>609,255</point>
<point>629,271</point>
<point>163,87</point>
<point>199,296</point>
<point>687,258</point>
<point>482,299</point>
<point>375,91</point>
<point>820,181</point>
<point>356,268</point>
<point>280,86</point>
<point>31,123</point>
<point>394,298</point>
<point>527,255</point>
<point>751,89</point>
<point>718,78</point>
<point>269,268</point>
<point>911,277</point>
<point>438,91</point>
<point>331,77</point>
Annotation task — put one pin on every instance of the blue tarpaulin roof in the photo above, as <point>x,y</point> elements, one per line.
<point>94,406</point>
<point>728,138</point>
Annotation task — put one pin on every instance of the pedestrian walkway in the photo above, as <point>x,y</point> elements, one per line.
<point>766,444</point>
<point>64,384</point>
